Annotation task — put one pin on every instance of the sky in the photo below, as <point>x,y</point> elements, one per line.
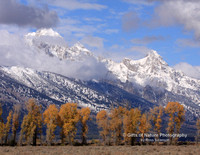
<point>115,28</point>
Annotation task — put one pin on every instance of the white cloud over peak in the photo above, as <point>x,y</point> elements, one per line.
<point>189,70</point>
<point>15,52</point>
<point>92,41</point>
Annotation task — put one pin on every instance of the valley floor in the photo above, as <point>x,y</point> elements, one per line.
<point>101,150</point>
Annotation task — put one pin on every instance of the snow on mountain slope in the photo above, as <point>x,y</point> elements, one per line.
<point>13,92</point>
<point>58,87</point>
<point>150,71</point>
<point>155,72</point>
<point>50,42</point>
<point>150,74</point>
<point>63,89</point>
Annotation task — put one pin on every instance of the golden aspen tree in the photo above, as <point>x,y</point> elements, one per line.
<point>50,119</point>
<point>156,116</point>
<point>179,119</point>
<point>32,122</point>
<point>15,122</point>
<point>60,124</point>
<point>84,117</point>
<point>127,125</point>
<point>198,130</point>
<point>69,116</point>
<point>23,131</point>
<point>7,127</point>
<point>1,124</point>
<point>131,124</point>
<point>103,124</point>
<point>176,114</point>
<point>1,111</point>
<point>1,132</point>
<point>116,125</point>
<point>145,125</point>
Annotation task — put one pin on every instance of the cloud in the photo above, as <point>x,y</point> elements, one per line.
<point>194,43</point>
<point>168,13</point>
<point>111,31</point>
<point>189,70</point>
<point>143,50</point>
<point>130,21</point>
<point>72,27</point>
<point>75,4</point>
<point>141,2</point>
<point>147,39</point>
<point>178,12</point>
<point>93,19</point>
<point>12,12</point>
<point>15,52</point>
<point>93,41</point>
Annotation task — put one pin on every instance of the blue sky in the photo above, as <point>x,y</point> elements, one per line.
<point>115,28</point>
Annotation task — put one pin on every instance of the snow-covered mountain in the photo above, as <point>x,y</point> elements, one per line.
<point>154,73</point>
<point>94,94</point>
<point>150,78</point>
<point>50,42</point>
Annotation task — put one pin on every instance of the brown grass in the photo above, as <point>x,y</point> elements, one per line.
<point>101,150</point>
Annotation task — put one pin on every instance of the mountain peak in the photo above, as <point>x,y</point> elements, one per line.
<point>154,58</point>
<point>153,53</point>
<point>45,32</point>
<point>79,45</point>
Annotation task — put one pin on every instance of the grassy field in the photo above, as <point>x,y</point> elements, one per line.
<point>101,150</point>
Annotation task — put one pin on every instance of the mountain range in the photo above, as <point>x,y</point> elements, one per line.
<point>143,83</point>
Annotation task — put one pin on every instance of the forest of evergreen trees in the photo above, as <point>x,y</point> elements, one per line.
<point>119,126</point>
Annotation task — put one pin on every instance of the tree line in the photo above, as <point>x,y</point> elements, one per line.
<point>115,126</point>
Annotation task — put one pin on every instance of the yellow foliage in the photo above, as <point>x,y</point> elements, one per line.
<point>116,116</point>
<point>1,131</point>
<point>198,124</point>
<point>69,117</point>
<point>15,121</point>
<point>84,117</point>
<point>1,111</point>
<point>131,122</point>
<point>7,126</point>
<point>50,119</point>
<point>32,123</point>
<point>103,123</point>
<point>156,115</point>
<point>176,113</point>
<point>144,124</point>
